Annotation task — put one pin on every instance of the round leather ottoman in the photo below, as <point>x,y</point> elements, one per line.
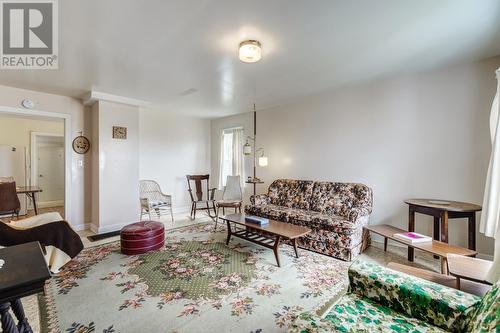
<point>141,237</point>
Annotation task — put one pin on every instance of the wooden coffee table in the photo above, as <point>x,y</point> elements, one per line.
<point>269,236</point>
<point>437,248</point>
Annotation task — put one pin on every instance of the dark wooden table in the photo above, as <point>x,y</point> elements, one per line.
<point>269,236</point>
<point>442,211</point>
<point>437,248</point>
<point>24,273</point>
<point>30,193</point>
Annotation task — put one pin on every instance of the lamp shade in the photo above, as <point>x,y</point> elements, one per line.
<point>247,149</point>
<point>263,161</point>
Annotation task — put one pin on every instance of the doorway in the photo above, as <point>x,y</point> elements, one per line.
<point>51,142</point>
<point>47,168</point>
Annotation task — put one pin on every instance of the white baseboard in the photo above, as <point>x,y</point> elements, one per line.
<point>109,228</point>
<point>80,227</point>
<point>49,204</point>
<point>394,243</point>
<point>94,228</point>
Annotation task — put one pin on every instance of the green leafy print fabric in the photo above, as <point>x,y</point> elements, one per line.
<point>354,313</point>
<point>435,304</point>
<point>487,315</point>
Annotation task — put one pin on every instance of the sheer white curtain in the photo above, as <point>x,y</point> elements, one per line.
<point>491,205</point>
<point>238,154</point>
<point>231,154</point>
<point>221,161</point>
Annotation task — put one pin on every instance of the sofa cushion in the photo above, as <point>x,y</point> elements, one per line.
<point>339,198</point>
<point>312,219</point>
<point>353,313</point>
<point>274,212</point>
<point>291,193</point>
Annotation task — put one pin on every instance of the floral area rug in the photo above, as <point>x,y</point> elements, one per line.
<point>194,284</point>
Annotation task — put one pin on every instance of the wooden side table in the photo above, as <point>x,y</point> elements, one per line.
<point>30,192</point>
<point>254,182</point>
<point>24,273</point>
<point>442,211</point>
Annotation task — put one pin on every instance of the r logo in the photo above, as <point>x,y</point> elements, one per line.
<point>29,28</point>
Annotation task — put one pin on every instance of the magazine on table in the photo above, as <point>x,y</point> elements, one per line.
<point>413,237</point>
<point>257,220</point>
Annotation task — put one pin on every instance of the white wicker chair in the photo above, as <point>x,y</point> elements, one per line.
<point>154,200</point>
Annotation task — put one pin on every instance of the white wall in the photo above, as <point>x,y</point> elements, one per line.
<point>172,146</point>
<point>16,131</point>
<point>424,135</point>
<point>118,167</point>
<point>80,196</point>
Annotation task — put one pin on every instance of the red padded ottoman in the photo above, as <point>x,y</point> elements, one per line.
<point>141,237</point>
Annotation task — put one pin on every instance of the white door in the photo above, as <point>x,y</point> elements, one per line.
<point>51,175</point>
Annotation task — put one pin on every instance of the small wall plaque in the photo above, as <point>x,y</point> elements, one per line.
<point>119,132</point>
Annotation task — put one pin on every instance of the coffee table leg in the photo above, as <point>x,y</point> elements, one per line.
<point>228,232</point>
<point>8,325</point>
<point>22,325</point>
<point>276,250</point>
<point>295,247</point>
<point>411,227</point>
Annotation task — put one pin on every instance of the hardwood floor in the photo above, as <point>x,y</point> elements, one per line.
<point>31,212</point>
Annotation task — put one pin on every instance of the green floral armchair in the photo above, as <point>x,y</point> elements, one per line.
<point>383,300</point>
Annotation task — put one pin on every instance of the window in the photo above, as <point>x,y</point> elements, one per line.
<point>227,156</point>
<point>231,156</point>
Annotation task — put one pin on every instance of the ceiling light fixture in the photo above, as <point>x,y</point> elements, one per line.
<point>250,51</point>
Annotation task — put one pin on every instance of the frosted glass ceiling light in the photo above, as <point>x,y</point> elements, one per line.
<point>250,51</point>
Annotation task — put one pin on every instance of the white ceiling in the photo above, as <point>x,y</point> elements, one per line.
<point>155,50</point>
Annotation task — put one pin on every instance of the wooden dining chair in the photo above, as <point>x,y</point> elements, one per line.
<point>198,198</point>
<point>9,201</point>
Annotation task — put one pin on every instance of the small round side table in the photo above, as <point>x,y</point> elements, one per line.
<point>442,211</point>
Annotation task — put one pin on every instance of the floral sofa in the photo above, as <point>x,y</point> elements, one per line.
<point>335,212</point>
<point>383,300</point>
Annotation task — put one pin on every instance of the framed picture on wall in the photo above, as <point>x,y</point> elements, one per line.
<point>119,132</point>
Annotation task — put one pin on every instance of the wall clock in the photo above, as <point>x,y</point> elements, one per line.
<point>81,144</point>
<point>119,132</point>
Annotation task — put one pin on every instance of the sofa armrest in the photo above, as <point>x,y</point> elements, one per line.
<point>260,199</point>
<point>358,212</point>
<point>435,304</point>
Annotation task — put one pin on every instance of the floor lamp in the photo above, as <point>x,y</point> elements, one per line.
<point>248,149</point>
